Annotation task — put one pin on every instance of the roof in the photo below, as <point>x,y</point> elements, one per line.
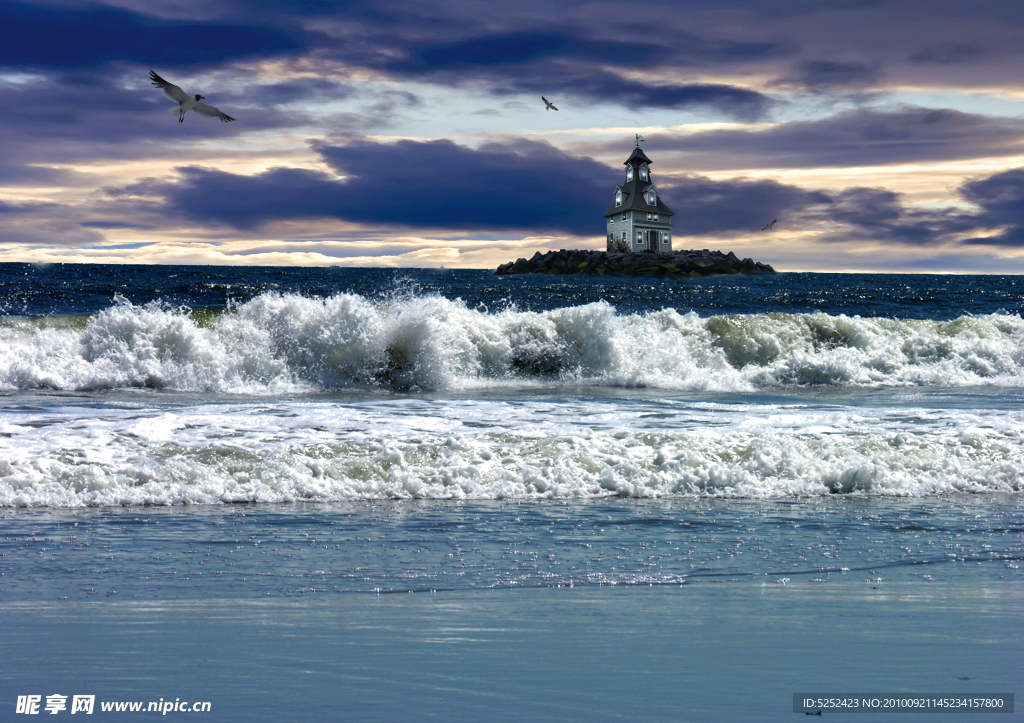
<point>639,155</point>
<point>633,199</point>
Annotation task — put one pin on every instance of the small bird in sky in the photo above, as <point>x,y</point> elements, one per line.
<point>187,102</point>
<point>770,226</point>
<point>548,105</point>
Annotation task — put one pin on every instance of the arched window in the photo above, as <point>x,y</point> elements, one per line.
<point>629,174</point>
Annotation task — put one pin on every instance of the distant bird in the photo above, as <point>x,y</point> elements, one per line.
<point>548,105</point>
<point>187,102</point>
<point>770,227</point>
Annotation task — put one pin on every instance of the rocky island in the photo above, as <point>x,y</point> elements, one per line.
<point>648,263</point>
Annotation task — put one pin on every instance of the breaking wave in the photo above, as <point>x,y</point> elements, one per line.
<point>415,448</point>
<point>279,343</point>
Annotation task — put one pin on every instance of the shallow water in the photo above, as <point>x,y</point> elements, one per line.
<point>429,546</point>
<point>655,610</point>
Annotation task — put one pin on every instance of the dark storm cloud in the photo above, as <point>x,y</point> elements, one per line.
<point>575,64</point>
<point>854,138</point>
<point>70,116</point>
<point>529,186</point>
<point>1001,199</point>
<point>947,54</point>
<point>66,37</point>
<point>876,214</point>
<point>576,44</point>
<point>293,91</point>
<point>520,185</point>
<point>573,47</point>
<point>609,87</point>
<point>881,215</point>
<point>44,224</point>
<point>708,207</point>
<point>10,208</point>
<point>12,174</point>
<point>115,225</point>
<point>821,75</point>
<point>521,48</point>
<point>525,185</point>
<point>438,184</point>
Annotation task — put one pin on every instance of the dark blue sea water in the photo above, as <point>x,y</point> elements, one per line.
<point>383,494</point>
<point>40,290</point>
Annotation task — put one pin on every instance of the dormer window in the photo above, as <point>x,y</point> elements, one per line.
<point>629,174</point>
<point>643,173</point>
<point>618,198</point>
<point>652,199</point>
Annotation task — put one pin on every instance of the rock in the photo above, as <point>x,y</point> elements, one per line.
<point>660,264</point>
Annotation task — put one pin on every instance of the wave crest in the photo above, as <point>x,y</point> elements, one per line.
<point>289,343</point>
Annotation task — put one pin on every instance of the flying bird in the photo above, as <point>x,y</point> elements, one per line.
<point>548,105</point>
<point>187,102</point>
<point>770,226</point>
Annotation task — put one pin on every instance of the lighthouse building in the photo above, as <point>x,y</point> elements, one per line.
<point>638,219</point>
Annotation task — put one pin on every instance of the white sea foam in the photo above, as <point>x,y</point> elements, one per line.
<point>293,450</point>
<point>288,343</point>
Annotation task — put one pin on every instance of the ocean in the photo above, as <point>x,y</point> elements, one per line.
<point>396,494</point>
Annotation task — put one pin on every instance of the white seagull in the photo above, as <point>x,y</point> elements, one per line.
<point>187,102</point>
<point>548,105</point>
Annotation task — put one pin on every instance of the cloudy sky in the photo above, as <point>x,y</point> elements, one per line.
<point>885,135</point>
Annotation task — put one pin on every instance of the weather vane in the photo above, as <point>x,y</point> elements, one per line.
<point>639,140</point>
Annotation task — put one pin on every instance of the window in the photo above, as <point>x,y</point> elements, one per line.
<point>651,199</point>
<point>618,198</point>
<point>629,173</point>
<point>639,238</point>
<point>623,236</point>
<point>655,216</point>
<point>648,215</point>
<point>623,217</point>
<point>643,173</point>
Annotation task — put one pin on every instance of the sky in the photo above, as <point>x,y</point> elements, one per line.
<point>884,135</point>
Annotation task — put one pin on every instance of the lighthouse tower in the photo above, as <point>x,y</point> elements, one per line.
<point>639,220</point>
